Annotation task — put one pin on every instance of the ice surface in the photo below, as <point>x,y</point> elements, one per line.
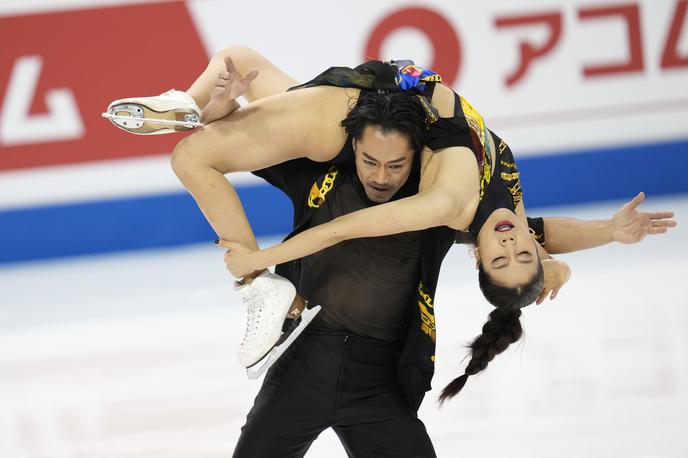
<point>134,355</point>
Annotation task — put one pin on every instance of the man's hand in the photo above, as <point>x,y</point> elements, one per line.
<point>631,226</point>
<point>239,259</point>
<point>557,273</point>
<point>230,84</point>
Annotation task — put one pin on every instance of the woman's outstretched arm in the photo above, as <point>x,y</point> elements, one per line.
<point>445,202</point>
<point>421,211</point>
<point>628,225</point>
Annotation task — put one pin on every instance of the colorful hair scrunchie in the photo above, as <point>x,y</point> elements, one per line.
<point>412,76</point>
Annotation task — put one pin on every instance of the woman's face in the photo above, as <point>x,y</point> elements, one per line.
<point>506,249</point>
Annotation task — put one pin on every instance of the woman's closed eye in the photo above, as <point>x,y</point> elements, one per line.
<point>525,257</point>
<point>499,262</point>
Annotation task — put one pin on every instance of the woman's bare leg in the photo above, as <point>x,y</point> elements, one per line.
<point>270,81</point>
<point>272,130</point>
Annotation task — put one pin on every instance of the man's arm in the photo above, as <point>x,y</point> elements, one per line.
<point>628,225</point>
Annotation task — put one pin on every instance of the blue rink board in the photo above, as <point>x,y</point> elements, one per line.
<point>173,219</point>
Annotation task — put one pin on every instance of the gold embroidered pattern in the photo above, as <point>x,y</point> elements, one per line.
<point>539,238</point>
<point>502,147</point>
<point>486,174</point>
<point>317,195</point>
<point>477,124</point>
<point>433,78</point>
<point>431,114</point>
<point>427,314</point>
<point>513,178</point>
<point>516,192</point>
<point>474,119</point>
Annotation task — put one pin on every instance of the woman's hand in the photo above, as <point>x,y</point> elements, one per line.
<point>557,273</point>
<point>230,84</point>
<point>240,260</point>
<point>631,226</point>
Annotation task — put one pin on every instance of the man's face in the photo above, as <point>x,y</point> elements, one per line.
<point>383,162</point>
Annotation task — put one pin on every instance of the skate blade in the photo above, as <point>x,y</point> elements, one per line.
<point>139,119</point>
<point>255,371</point>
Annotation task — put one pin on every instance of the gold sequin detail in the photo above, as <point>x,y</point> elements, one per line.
<point>317,195</point>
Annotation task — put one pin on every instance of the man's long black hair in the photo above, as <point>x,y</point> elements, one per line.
<point>390,111</point>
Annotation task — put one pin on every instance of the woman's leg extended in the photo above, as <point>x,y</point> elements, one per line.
<point>270,81</point>
<point>302,123</point>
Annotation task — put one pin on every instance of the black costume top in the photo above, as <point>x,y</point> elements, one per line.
<point>465,128</point>
<point>501,190</point>
<point>363,284</point>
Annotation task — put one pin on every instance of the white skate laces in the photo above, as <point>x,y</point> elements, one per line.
<point>172,111</point>
<point>268,298</point>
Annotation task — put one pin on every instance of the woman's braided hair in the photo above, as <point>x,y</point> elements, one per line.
<point>501,329</point>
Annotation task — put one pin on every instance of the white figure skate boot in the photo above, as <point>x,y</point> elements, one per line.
<point>274,320</point>
<point>173,111</point>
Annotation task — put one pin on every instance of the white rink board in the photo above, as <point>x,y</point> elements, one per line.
<point>59,168</point>
<point>133,355</point>
<point>552,108</point>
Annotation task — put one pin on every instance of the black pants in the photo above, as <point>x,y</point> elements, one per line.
<point>337,380</point>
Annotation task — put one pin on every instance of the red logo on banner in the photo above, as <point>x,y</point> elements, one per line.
<point>63,69</point>
<point>445,41</point>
